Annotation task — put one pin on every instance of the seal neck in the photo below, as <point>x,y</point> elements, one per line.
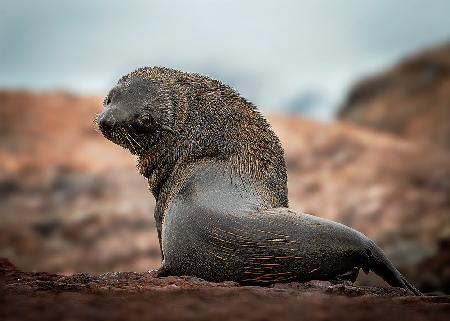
<point>157,165</point>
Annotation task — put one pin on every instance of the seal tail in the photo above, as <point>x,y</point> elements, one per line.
<point>380,264</point>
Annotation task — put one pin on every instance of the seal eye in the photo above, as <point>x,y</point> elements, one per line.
<point>144,120</point>
<point>108,100</point>
<point>144,123</point>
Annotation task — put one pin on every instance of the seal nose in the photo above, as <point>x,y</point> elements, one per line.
<point>106,122</point>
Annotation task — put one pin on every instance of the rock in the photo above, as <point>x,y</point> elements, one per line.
<point>142,296</point>
<point>411,100</point>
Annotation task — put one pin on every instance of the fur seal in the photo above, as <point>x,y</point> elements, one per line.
<point>218,174</point>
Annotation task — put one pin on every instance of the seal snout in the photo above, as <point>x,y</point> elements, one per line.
<point>111,119</point>
<point>106,122</point>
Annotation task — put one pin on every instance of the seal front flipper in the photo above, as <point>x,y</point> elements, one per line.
<point>349,276</point>
<point>162,271</point>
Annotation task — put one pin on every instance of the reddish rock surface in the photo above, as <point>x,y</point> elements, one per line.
<point>412,99</point>
<point>142,296</point>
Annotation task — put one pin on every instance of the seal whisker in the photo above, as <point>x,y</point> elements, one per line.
<point>126,136</point>
<point>95,124</point>
<point>131,137</point>
<point>133,142</point>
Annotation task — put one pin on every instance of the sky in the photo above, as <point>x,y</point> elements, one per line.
<point>285,55</point>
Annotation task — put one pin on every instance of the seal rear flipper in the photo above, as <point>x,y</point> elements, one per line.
<point>162,271</point>
<point>380,264</point>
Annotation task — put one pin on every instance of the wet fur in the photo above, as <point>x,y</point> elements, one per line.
<point>218,174</point>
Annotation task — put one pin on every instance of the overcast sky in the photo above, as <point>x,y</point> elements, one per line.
<point>276,53</point>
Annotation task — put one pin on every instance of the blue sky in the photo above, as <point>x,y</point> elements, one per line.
<point>275,53</point>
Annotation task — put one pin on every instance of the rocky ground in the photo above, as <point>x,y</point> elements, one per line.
<point>142,296</point>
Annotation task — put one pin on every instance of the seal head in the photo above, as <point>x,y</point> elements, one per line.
<point>137,115</point>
